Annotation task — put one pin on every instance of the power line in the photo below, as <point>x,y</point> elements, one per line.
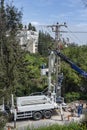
<point>72,32</point>
<point>75,35</point>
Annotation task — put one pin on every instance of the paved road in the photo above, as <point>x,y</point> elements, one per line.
<point>23,124</point>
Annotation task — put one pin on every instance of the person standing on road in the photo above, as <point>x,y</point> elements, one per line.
<point>80,108</point>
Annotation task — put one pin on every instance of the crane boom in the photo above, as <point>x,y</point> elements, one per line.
<point>73,65</point>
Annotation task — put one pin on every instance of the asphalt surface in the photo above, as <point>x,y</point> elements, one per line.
<point>56,119</point>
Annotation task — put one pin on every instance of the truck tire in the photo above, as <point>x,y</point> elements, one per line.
<point>47,114</point>
<point>37,116</point>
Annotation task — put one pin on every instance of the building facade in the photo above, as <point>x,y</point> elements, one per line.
<point>29,40</point>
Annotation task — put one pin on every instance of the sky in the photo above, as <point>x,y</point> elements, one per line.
<point>48,12</point>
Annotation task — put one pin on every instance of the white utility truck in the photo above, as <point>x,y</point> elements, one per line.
<point>37,106</point>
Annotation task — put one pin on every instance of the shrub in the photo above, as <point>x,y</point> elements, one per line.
<point>69,97</point>
<point>72,126</point>
<point>3,120</point>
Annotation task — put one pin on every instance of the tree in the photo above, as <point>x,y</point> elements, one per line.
<point>74,82</point>
<point>13,18</point>
<point>10,50</point>
<point>31,27</point>
<point>44,43</point>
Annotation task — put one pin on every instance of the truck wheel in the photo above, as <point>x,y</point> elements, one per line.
<point>47,114</point>
<point>37,116</point>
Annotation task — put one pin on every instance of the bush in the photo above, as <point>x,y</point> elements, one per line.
<point>73,126</point>
<point>3,119</point>
<point>83,96</point>
<point>69,97</point>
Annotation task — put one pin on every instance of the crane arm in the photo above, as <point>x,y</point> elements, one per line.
<point>73,65</point>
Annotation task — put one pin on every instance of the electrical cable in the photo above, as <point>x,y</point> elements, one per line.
<point>75,35</point>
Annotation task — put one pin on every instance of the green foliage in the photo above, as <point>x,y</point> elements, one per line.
<point>83,96</point>
<point>3,120</point>
<point>20,26</point>
<point>30,75</point>
<point>74,82</point>
<point>69,97</point>
<point>10,51</point>
<point>71,126</point>
<point>13,18</point>
<point>31,27</point>
<point>44,43</point>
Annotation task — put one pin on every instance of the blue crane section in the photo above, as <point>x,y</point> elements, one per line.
<point>73,65</point>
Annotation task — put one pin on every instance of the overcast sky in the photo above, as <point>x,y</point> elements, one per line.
<point>49,12</point>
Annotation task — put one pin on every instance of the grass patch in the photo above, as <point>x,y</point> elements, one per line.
<point>72,126</point>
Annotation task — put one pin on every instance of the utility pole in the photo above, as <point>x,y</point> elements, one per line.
<point>56,29</point>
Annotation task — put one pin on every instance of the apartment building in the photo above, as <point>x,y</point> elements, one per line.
<point>29,40</point>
